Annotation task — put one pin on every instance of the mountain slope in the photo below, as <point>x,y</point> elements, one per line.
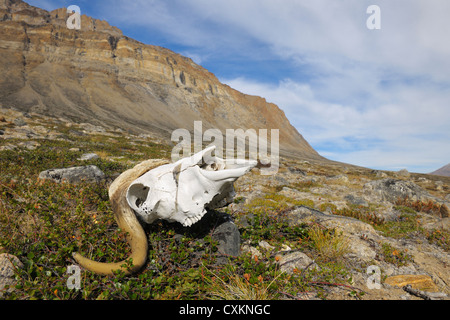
<point>98,75</point>
<point>444,171</point>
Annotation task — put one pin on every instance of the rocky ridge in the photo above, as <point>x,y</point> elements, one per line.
<point>100,76</point>
<point>444,171</point>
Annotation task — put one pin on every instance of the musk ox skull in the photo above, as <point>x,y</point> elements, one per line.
<point>180,191</point>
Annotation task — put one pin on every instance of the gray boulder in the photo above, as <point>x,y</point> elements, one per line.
<point>8,265</point>
<point>228,237</point>
<point>356,200</point>
<point>88,156</point>
<point>221,228</point>
<point>348,225</point>
<point>393,189</point>
<point>74,174</point>
<point>19,122</point>
<point>295,260</point>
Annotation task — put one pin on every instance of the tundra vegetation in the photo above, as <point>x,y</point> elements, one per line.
<point>43,223</point>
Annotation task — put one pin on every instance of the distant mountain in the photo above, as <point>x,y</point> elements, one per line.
<point>98,75</point>
<point>444,171</point>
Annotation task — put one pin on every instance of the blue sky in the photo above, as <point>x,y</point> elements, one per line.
<point>375,98</point>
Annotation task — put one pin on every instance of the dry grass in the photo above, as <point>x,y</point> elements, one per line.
<point>330,245</point>
<point>236,287</point>
<point>102,154</point>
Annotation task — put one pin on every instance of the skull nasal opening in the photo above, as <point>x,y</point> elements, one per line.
<point>138,194</point>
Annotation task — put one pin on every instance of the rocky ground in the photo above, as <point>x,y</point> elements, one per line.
<point>366,207</point>
<point>387,232</point>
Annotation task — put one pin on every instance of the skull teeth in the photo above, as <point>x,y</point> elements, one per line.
<point>189,221</point>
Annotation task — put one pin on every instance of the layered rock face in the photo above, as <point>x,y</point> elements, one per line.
<point>100,76</point>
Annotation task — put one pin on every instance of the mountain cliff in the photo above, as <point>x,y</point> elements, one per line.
<point>98,75</point>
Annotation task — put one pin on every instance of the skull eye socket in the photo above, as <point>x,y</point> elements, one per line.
<point>210,166</point>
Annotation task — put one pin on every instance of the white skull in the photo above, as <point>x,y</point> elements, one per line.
<point>182,191</point>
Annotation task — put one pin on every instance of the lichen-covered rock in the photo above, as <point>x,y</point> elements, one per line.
<point>295,261</point>
<point>393,189</point>
<point>303,214</point>
<point>88,156</point>
<point>74,174</point>
<point>8,264</point>
<point>417,281</point>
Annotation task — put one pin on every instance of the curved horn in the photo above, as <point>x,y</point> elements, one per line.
<point>127,221</point>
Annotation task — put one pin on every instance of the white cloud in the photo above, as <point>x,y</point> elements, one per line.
<point>325,33</point>
<point>197,58</point>
<point>412,36</point>
<point>410,133</point>
<point>328,35</point>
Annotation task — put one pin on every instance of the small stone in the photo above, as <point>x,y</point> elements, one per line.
<point>8,264</point>
<point>90,128</point>
<point>8,147</point>
<point>439,185</point>
<point>88,156</point>
<point>77,133</point>
<point>437,295</point>
<point>444,211</point>
<point>228,237</point>
<point>392,189</point>
<point>74,174</point>
<point>265,245</point>
<point>30,145</point>
<point>296,170</point>
<point>417,281</point>
<point>252,250</point>
<point>295,261</point>
<point>342,178</point>
<point>19,122</point>
<point>403,173</point>
<point>356,200</point>
<point>381,174</point>
<point>436,224</point>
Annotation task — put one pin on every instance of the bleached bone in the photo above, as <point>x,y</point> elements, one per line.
<point>182,191</point>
